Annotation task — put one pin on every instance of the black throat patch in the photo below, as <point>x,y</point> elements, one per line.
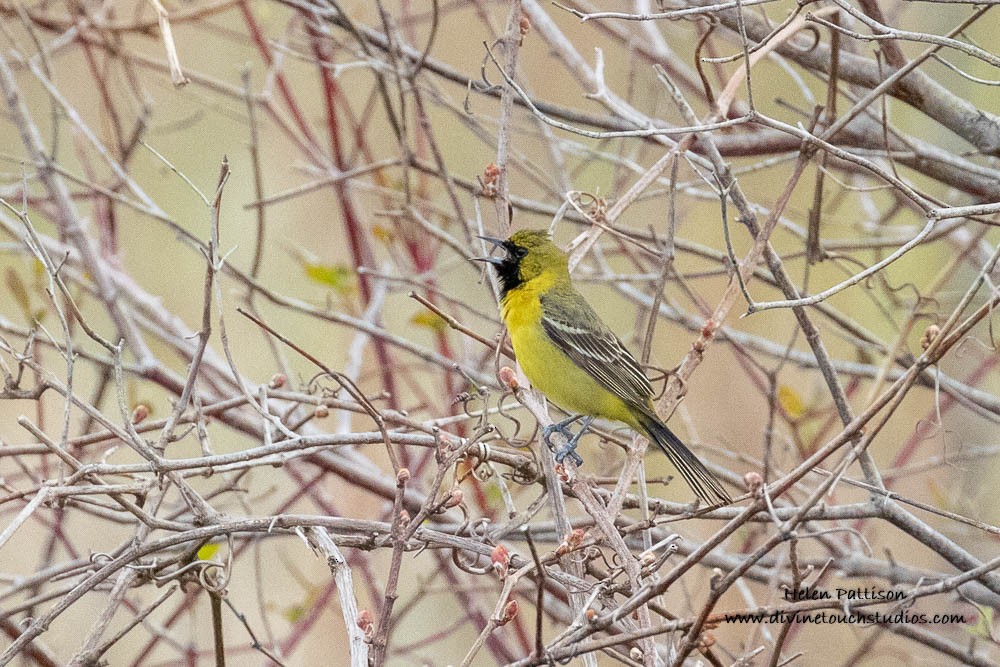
<point>509,271</point>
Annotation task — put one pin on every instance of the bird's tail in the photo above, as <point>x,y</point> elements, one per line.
<point>701,480</point>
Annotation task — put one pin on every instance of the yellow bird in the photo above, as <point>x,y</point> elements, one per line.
<point>574,358</point>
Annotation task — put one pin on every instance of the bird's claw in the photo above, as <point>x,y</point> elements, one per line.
<point>556,428</point>
<point>569,449</point>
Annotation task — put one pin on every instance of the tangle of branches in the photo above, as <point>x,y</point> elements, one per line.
<point>258,405</point>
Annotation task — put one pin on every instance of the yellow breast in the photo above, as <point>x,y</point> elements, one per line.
<point>548,368</point>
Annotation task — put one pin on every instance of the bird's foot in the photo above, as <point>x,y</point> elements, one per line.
<point>569,449</point>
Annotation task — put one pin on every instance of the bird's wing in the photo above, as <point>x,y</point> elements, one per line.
<point>576,329</point>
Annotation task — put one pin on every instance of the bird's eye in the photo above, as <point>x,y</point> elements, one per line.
<point>520,252</point>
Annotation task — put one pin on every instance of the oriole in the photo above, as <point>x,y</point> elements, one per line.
<point>571,356</point>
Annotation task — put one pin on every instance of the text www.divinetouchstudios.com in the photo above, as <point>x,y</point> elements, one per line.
<point>845,614</point>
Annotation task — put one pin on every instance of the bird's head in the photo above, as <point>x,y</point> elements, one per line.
<point>531,254</point>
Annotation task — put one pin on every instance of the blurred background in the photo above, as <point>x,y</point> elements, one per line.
<point>301,183</point>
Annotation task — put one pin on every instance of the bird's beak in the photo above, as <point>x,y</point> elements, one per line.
<point>497,243</point>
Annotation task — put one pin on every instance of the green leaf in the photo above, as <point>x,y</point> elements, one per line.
<point>207,551</point>
<point>294,613</point>
<point>335,276</point>
<point>791,402</point>
<point>429,320</point>
<point>984,624</point>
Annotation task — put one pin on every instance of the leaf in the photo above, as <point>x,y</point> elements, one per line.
<point>335,276</point>
<point>209,550</point>
<point>984,624</point>
<point>429,320</point>
<point>298,610</point>
<point>790,402</point>
<point>294,613</point>
<point>493,495</point>
<point>383,234</point>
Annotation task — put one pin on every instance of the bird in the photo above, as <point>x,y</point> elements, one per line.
<point>569,354</point>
